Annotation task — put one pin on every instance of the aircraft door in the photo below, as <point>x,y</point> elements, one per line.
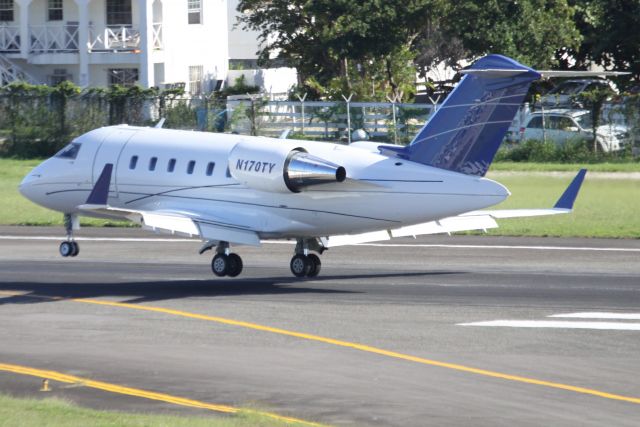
<point>109,152</point>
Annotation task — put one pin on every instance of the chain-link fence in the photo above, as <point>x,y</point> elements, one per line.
<point>37,126</point>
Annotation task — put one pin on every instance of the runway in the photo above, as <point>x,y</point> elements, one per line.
<point>463,330</point>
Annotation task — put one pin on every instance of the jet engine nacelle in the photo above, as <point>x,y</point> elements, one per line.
<point>280,167</point>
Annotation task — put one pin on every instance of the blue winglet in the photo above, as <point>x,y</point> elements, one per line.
<point>100,192</point>
<point>569,196</point>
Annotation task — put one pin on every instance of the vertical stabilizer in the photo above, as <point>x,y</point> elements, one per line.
<point>464,134</point>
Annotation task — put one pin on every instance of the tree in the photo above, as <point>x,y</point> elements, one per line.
<point>530,31</point>
<point>345,45</point>
<point>609,35</point>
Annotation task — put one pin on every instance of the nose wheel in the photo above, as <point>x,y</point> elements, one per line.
<point>69,248</point>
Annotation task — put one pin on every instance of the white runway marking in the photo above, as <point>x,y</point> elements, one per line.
<point>599,315</point>
<point>538,248</point>
<point>282,242</point>
<point>557,324</point>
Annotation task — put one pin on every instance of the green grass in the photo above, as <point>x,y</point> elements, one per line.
<point>16,210</point>
<point>564,167</point>
<point>61,413</point>
<point>606,207</point>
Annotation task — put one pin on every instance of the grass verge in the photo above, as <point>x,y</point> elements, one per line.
<point>564,167</point>
<point>606,206</point>
<point>57,412</point>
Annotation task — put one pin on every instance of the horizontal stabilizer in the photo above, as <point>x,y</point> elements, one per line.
<point>557,73</point>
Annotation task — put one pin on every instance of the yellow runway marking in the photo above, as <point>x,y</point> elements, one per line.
<point>114,388</point>
<point>355,346</point>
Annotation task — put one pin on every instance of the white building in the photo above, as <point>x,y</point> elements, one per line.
<point>102,42</point>
<point>243,59</point>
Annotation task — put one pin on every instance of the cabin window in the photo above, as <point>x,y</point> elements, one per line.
<point>133,162</point>
<point>172,165</point>
<point>210,167</point>
<point>152,163</point>
<point>191,167</point>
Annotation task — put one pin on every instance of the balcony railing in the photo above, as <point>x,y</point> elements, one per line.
<point>53,39</point>
<point>9,38</point>
<point>115,39</point>
<point>157,36</point>
<point>64,39</point>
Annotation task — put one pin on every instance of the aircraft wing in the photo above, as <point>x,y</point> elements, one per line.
<point>192,224</point>
<point>469,221</point>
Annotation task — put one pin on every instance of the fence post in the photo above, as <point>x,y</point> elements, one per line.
<point>302,108</point>
<point>393,113</point>
<point>348,100</point>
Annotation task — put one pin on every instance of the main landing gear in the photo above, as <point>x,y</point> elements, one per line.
<point>303,263</point>
<point>70,248</point>
<point>224,263</point>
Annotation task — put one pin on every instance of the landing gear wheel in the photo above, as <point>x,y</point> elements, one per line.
<point>76,249</point>
<point>220,265</point>
<point>300,265</point>
<point>235,265</point>
<point>66,248</point>
<point>315,264</point>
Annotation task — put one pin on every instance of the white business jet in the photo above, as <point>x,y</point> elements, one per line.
<point>235,189</point>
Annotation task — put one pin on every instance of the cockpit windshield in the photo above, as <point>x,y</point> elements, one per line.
<point>70,151</point>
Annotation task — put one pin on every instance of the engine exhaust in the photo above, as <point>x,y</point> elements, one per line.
<point>304,170</point>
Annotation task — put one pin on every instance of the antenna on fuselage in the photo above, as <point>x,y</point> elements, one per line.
<point>160,123</point>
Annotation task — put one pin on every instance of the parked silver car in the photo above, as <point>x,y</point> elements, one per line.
<point>563,125</point>
<point>566,93</point>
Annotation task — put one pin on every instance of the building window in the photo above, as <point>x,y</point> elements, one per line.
<point>191,167</point>
<point>194,10</point>
<point>152,163</point>
<point>172,165</point>
<point>210,167</point>
<point>6,10</point>
<point>55,10</point>
<point>123,76</point>
<point>133,162</point>
<point>195,80</point>
<point>119,12</point>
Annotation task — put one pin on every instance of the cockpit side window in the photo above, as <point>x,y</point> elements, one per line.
<point>70,151</point>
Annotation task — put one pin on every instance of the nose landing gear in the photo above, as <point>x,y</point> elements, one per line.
<point>70,247</point>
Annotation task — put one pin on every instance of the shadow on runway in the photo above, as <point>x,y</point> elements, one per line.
<point>148,291</point>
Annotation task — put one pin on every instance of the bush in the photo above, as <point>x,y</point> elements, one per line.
<point>578,151</point>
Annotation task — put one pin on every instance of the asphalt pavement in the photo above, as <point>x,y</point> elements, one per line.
<point>462,330</point>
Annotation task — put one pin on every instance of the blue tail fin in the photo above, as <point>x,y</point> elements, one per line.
<point>464,134</point>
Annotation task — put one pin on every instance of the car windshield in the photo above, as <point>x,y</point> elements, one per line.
<point>70,151</point>
<point>585,121</point>
<point>568,88</point>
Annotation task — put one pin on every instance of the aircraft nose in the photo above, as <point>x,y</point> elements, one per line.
<point>26,186</point>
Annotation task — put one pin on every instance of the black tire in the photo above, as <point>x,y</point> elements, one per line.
<point>314,261</point>
<point>235,265</point>
<point>76,249</point>
<point>220,265</point>
<point>300,265</point>
<point>66,249</point>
